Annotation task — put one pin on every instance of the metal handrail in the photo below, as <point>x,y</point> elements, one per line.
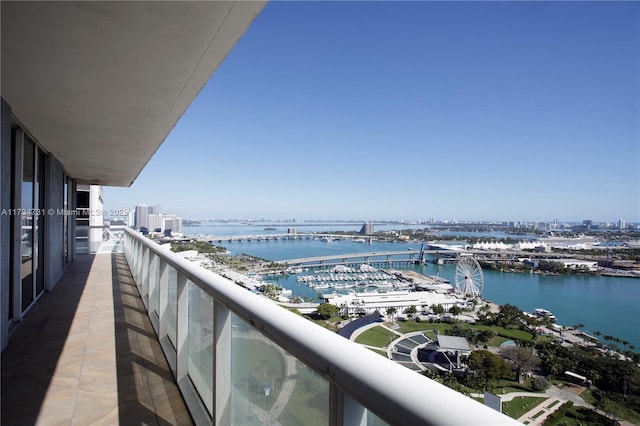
<point>392,392</point>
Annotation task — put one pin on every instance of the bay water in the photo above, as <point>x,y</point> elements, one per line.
<point>610,305</point>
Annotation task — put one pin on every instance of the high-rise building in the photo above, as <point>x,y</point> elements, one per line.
<point>622,224</point>
<point>367,228</point>
<point>164,222</point>
<point>155,222</point>
<point>172,223</point>
<point>131,218</point>
<point>142,216</point>
<point>540,226</point>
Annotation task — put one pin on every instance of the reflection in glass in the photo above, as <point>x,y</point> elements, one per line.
<point>154,282</point>
<point>26,223</point>
<point>172,301</point>
<point>66,220</point>
<point>270,386</point>
<point>38,221</point>
<point>200,341</point>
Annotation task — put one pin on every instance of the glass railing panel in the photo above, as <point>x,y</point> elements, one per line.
<point>355,413</point>
<point>169,317</point>
<point>144,281</point>
<point>269,386</point>
<point>200,343</point>
<point>154,285</point>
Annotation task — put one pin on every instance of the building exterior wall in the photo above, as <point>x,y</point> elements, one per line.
<point>155,221</point>
<point>54,223</point>
<point>176,225</point>
<point>51,218</point>
<point>5,220</point>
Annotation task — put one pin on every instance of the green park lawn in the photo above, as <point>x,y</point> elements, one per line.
<point>520,405</point>
<point>504,334</point>
<point>377,336</point>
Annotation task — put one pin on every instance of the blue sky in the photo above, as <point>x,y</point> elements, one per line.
<point>413,110</point>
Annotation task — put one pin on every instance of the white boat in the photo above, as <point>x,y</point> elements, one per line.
<point>544,313</point>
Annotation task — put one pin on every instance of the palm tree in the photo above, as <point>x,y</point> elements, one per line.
<point>390,312</point>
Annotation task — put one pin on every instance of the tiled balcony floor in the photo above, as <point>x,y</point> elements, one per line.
<point>87,354</point>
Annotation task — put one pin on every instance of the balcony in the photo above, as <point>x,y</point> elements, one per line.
<point>147,335</point>
<point>87,354</point>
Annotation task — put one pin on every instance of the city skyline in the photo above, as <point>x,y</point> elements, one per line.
<point>550,223</point>
<point>408,111</point>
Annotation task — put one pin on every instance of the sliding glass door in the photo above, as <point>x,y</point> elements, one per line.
<point>28,223</point>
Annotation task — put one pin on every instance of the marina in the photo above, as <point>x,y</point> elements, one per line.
<point>344,277</point>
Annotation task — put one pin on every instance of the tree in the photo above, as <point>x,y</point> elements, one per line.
<point>487,365</point>
<point>539,384</point>
<point>270,290</point>
<point>437,309</point>
<point>455,310</point>
<point>483,312</point>
<point>327,310</point>
<point>486,335</point>
<point>411,311</point>
<point>521,359</point>
<point>509,315</point>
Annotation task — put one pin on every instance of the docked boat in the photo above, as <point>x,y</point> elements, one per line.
<point>543,313</point>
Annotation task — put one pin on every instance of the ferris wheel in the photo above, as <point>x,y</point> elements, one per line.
<point>469,277</point>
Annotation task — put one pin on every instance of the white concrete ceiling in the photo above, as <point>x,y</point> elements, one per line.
<point>101,84</point>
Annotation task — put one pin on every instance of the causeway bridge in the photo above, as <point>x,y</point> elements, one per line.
<point>275,237</point>
<point>410,256</point>
<point>440,254</point>
<point>381,257</point>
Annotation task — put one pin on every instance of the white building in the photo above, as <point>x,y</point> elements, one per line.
<point>165,222</point>
<point>400,300</point>
<point>578,264</point>
<point>154,221</point>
